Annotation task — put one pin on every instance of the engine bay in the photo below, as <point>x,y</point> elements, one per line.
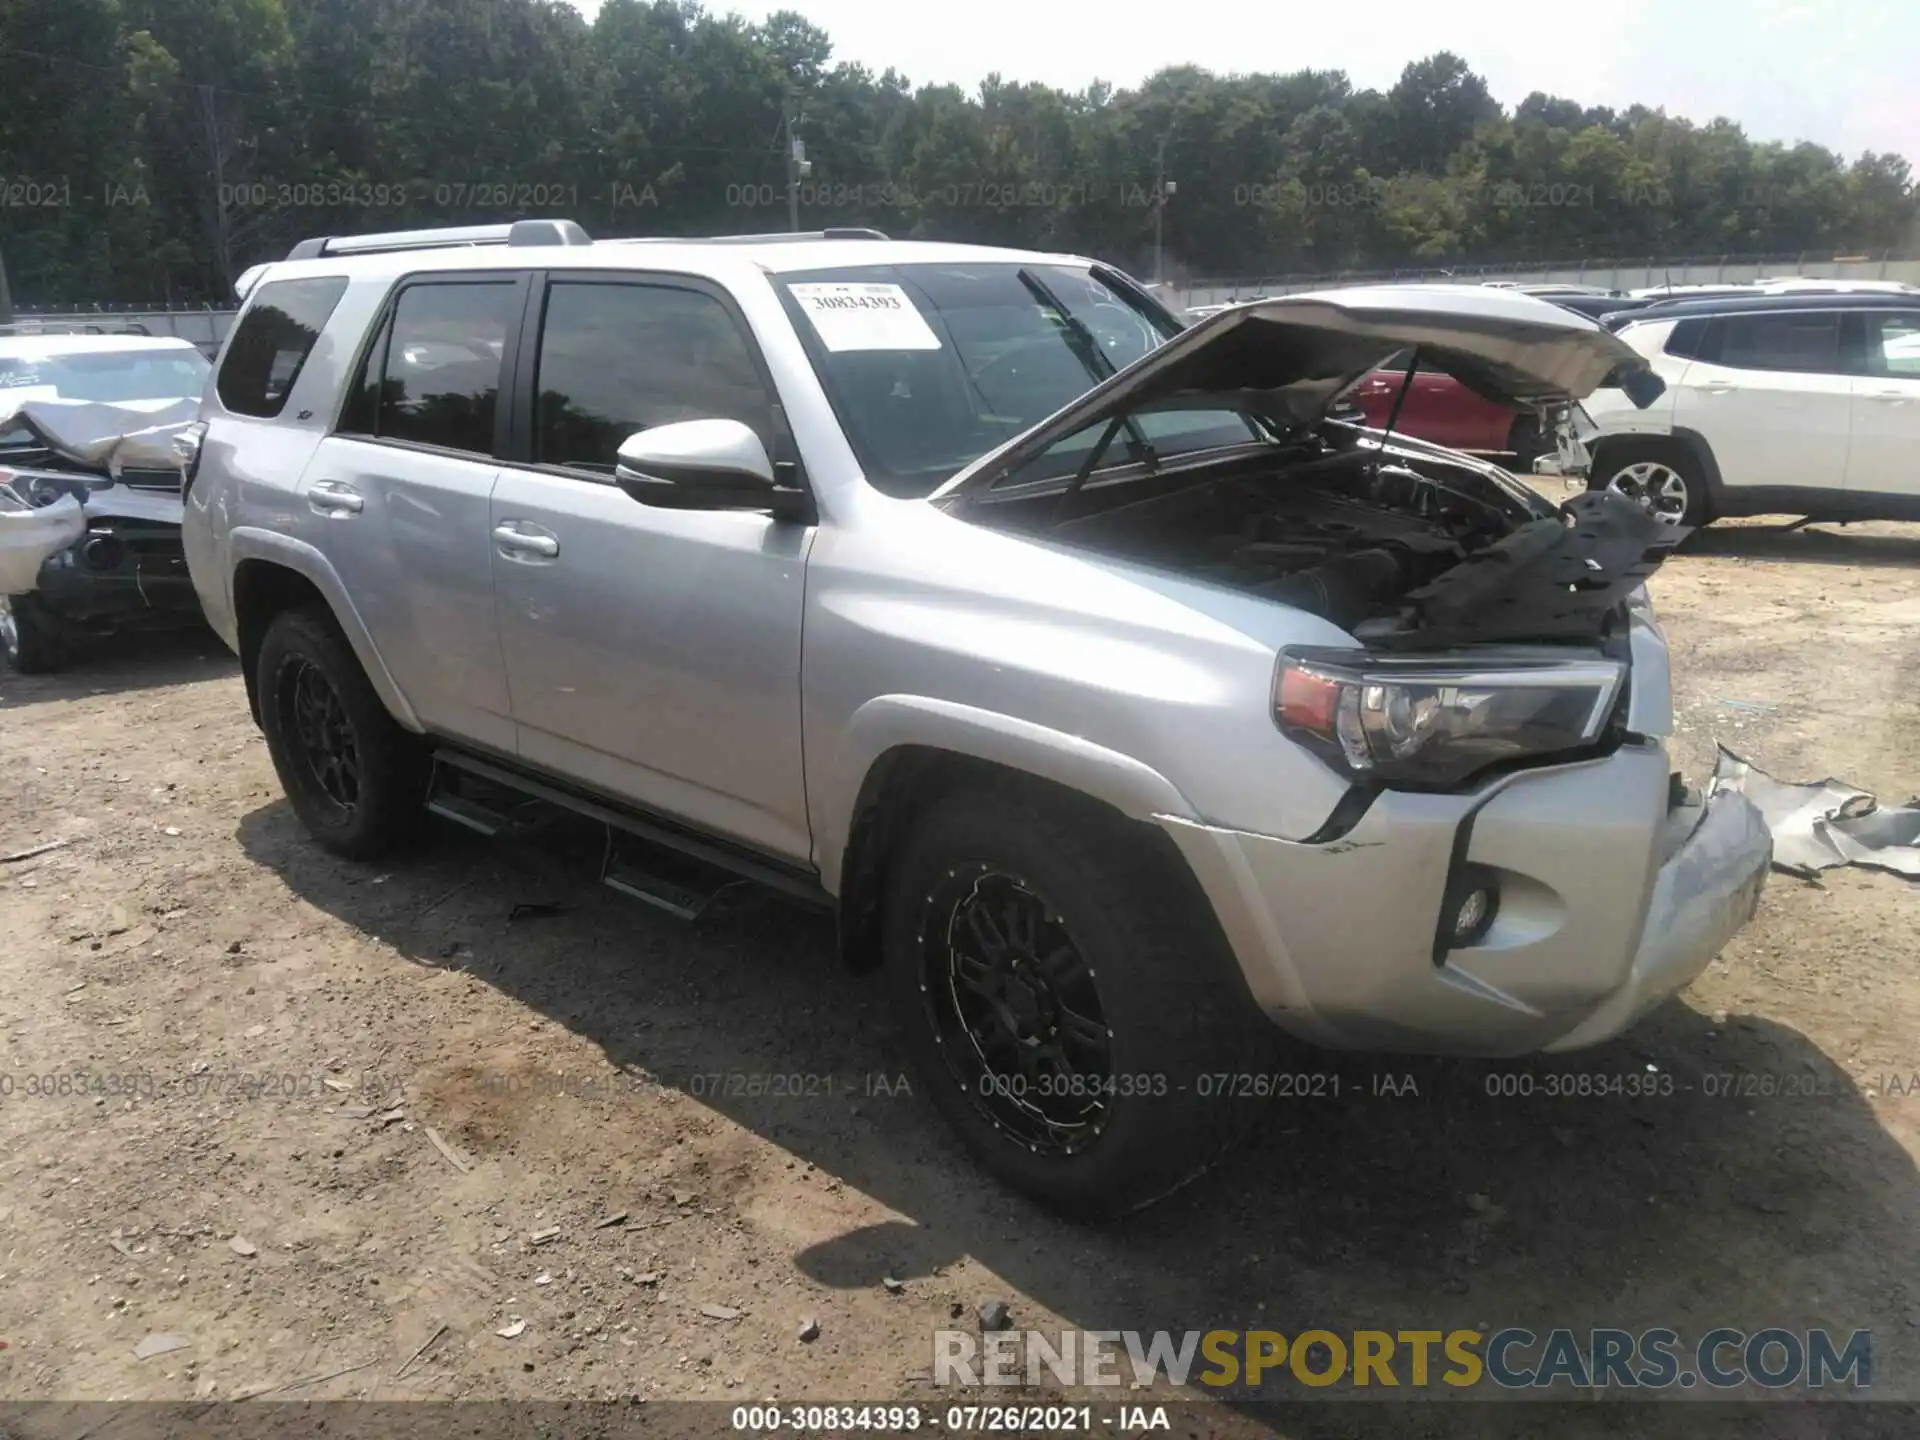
<point>1402,550</point>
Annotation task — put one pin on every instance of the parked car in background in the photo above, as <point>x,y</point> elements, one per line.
<point>1111,701</point>
<point>90,489</point>
<point>1439,408</point>
<point>1802,404</point>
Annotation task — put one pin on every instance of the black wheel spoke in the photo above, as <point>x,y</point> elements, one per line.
<point>986,933</point>
<point>1083,1029</point>
<point>1022,922</point>
<point>323,733</point>
<point>1062,966</point>
<point>975,975</point>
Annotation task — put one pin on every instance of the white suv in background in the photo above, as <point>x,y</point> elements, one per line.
<point>1803,404</point>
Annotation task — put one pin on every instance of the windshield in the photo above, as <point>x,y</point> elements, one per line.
<point>931,366</point>
<point>110,375</point>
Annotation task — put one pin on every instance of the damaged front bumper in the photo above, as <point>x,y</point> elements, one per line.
<point>1610,897</point>
<point>112,558</point>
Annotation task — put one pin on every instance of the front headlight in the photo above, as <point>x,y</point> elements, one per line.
<point>40,488</point>
<point>1431,723</point>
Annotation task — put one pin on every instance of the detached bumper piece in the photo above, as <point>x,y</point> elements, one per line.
<point>1703,896</point>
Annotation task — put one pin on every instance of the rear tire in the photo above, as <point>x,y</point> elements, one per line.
<point>1660,476</point>
<point>32,641</point>
<point>1525,443</point>
<point>1104,931</point>
<point>357,780</point>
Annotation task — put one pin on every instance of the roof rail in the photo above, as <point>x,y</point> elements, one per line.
<point>520,232</point>
<point>775,237</point>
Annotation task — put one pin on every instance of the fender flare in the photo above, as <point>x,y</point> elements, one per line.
<point>248,542</point>
<point>889,722</point>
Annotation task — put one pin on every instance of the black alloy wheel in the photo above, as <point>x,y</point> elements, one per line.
<point>1014,1009</point>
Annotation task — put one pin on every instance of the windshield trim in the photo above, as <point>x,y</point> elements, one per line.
<point>1124,472</point>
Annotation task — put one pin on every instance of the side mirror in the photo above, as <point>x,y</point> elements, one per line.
<point>700,465</point>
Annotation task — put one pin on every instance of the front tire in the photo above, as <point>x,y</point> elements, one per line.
<point>1659,476</point>
<point>357,780</point>
<point>32,641</point>
<point>1068,999</point>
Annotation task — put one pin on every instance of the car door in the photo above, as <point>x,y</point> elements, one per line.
<point>397,498</point>
<point>1770,394</point>
<point>653,654</point>
<point>1885,455</point>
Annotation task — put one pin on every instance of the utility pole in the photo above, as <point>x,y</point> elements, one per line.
<point>1162,188</point>
<point>798,168</point>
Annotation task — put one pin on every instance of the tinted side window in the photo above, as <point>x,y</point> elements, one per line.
<point>1803,340</point>
<point>272,342</point>
<point>617,358</point>
<point>442,375</point>
<point>1893,345</point>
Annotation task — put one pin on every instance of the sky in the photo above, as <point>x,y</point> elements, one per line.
<point>1844,74</point>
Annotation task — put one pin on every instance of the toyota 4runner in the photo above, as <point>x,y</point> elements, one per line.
<point>1109,693</point>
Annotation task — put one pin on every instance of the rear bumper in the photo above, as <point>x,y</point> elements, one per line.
<point>1609,901</point>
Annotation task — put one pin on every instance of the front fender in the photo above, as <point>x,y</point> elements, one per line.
<point>888,722</point>
<point>248,542</point>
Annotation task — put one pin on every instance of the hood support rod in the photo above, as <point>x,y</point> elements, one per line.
<point>1393,415</point>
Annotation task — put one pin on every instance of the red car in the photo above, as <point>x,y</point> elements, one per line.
<point>1440,409</point>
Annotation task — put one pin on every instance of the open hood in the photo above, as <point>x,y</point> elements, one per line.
<point>102,436</point>
<point>1290,358</point>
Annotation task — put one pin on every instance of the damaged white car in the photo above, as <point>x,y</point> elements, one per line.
<point>90,489</point>
<point>1115,697</point>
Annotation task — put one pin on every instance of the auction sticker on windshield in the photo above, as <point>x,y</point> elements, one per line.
<point>855,316</point>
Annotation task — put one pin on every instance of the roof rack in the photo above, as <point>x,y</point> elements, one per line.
<point>520,232</point>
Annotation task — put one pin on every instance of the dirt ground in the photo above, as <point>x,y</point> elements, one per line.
<point>283,1043</point>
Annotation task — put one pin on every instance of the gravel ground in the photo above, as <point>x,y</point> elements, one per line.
<point>347,1116</point>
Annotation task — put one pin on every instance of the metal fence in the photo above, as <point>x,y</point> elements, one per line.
<point>204,326</point>
<point>207,327</point>
<point>1615,274</point>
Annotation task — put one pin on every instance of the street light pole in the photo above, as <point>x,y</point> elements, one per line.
<point>1162,188</point>
<point>798,168</point>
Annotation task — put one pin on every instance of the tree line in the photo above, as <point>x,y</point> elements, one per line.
<point>151,149</point>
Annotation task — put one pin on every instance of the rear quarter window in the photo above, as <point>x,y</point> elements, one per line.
<point>271,344</point>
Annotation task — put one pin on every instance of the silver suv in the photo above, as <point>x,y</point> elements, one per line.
<point>1109,694</point>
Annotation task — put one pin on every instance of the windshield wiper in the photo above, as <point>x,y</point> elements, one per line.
<point>1086,349</point>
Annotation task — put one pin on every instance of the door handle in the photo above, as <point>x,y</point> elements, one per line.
<point>1893,397</point>
<point>515,541</point>
<point>1718,385</point>
<point>332,499</point>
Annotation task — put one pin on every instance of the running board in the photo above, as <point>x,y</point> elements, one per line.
<point>650,860</point>
<point>465,811</point>
<point>662,878</point>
